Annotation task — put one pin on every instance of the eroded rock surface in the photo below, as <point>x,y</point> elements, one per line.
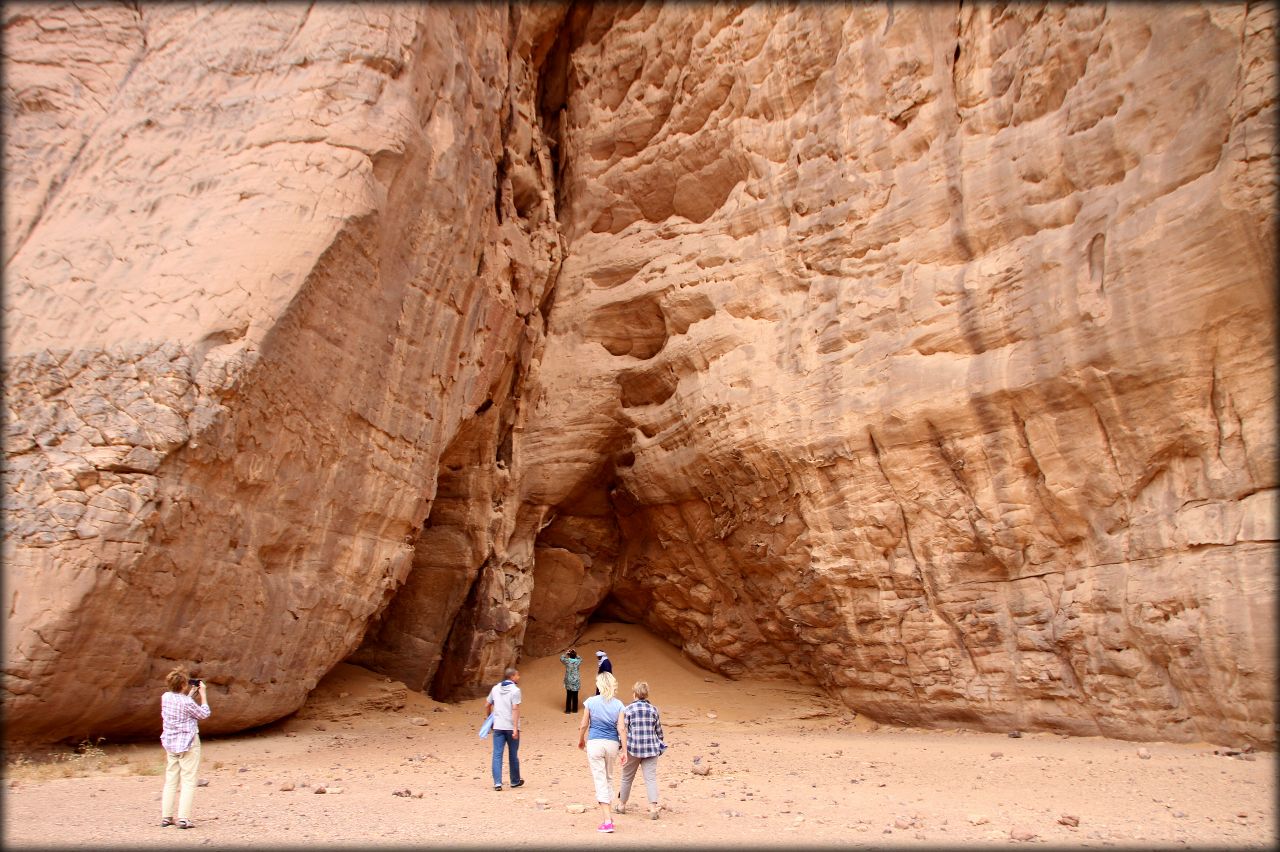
<point>931,354</point>
<point>925,353</point>
<point>244,319</point>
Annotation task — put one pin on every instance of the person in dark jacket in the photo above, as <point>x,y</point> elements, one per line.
<point>602,665</point>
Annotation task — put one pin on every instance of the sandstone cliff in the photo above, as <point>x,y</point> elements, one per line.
<point>924,352</point>
<point>252,295</point>
<point>931,354</point>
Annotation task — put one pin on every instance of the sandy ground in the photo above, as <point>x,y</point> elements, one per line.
<point>788,768</point>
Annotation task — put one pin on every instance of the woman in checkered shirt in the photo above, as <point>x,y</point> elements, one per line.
<point>644,747</point>
<point>180,715</point>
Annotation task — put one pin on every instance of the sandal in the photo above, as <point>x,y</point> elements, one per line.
<point>653,814</point>
<point>166,822</point>
<point>186,823</point>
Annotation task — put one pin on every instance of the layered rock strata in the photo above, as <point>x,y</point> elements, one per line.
<point>924,352</point>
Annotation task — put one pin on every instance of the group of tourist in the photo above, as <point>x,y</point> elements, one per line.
<point>609,732</point>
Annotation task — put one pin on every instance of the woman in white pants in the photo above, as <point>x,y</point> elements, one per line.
<point>180,736</point>
<point>644,746</point>
<point>602,735</point>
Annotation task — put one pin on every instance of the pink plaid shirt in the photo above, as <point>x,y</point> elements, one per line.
<point>180,714</point>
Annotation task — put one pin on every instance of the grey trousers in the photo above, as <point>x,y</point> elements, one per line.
<point>650,767</point>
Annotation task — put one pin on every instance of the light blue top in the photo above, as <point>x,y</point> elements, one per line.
<point>604,718</point>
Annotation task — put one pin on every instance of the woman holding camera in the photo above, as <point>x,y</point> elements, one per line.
<point>181,740</point>
<point>572,680</point>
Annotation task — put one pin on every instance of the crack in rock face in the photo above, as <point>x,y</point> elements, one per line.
<point>923,353</point>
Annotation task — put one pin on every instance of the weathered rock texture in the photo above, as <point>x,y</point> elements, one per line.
<point>253,293</point>
<point>931,353</point>
<point>923,351</point>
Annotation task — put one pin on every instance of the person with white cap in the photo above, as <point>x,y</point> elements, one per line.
<point>602,665</point>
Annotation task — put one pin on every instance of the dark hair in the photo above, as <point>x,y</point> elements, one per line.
<point>573,655</point>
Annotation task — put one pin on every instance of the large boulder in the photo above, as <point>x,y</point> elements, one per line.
<point>262,265</point>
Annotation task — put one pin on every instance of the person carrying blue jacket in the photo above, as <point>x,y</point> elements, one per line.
<point>504,703</point>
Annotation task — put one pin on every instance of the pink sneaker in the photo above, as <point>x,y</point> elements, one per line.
<point>606,827</point>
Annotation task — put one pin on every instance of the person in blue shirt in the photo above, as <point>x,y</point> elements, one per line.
<point>602,735</point>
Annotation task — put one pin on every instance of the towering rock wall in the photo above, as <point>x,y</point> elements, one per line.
<point>925,352</point>
<point>930,353</point>
<point>263,264</point>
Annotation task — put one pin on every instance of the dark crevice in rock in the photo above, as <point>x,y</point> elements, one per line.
<point>553,94</point>
<point>459,616</point>
<point>452,679</point>
<point>406,638</point>
<point>554,88</point>
<point>612,611</point>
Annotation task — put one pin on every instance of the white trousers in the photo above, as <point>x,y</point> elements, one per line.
<point>602,757</point>
<point>181,768</point>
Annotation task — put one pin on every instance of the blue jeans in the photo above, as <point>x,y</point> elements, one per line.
<point>501,738</point>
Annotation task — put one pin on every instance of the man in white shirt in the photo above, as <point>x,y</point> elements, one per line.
<point>504,703</point>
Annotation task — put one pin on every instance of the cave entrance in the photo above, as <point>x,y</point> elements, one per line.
<point>611,611</point>
<point>579,558</point>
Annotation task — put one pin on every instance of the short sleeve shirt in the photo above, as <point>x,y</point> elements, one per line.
<point>504,697</point>
<point>604,718</point>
